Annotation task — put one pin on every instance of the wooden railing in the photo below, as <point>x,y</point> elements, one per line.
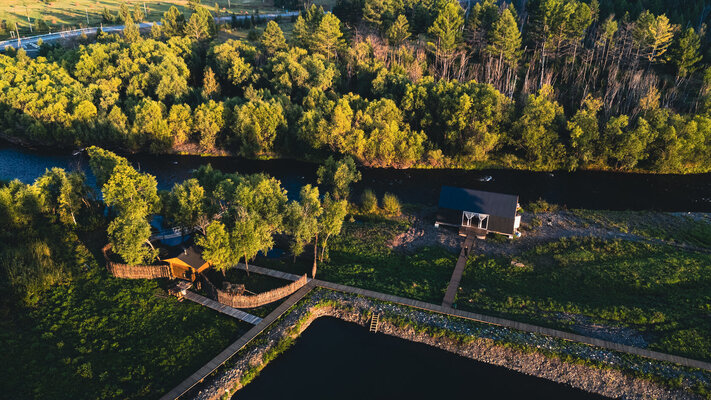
<point>135,271</point>
<point>258,300</point>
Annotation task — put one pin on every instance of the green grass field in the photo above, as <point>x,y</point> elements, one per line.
<point>360,257</point>
<point>100,337</point>
<point>658,292</point>
<point>63,14</point>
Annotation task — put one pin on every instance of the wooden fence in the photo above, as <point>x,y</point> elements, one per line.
<point>258,300</point>
<point>135,271</point>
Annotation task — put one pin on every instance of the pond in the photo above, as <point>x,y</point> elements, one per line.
<point>581,189</point>
<point>334,359</point>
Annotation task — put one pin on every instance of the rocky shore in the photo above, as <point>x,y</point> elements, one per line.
<point>531,354</point>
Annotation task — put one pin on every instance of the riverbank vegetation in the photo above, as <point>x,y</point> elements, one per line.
<point>655,296</point>
<point>392,84</point>
<point>70,330</point>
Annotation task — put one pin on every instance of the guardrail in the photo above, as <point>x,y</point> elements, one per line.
<point>48,37</point>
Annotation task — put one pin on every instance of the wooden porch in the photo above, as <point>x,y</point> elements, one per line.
<point>479,233</point>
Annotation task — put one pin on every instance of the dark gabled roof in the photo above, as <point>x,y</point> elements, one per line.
<point>496,204</point>
<point>191,257</point>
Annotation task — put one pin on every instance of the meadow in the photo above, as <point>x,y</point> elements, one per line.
<point>65,14</point>
<point>655,296</point>
<point>360,257</point>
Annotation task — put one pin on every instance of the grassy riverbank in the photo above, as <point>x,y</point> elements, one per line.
<point>643,294</point>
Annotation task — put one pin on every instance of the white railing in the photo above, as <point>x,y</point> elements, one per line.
<point>47,37</point>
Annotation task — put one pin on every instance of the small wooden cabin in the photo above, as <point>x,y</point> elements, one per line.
<point>478,212</point>
<point>187,265</point>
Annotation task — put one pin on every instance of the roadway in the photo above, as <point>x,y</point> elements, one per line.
<point>30,43</point>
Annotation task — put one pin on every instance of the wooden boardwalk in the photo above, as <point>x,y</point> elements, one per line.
<point>270,272</point>
<point>687,362</point>
<point>451,293</point>
<point>232,312</point>
<point>221,358</point>
<point>232,349</point>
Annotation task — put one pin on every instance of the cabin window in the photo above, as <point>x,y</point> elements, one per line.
<point>475,220</point>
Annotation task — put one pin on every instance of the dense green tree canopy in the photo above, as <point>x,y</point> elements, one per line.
<point>417,83</point>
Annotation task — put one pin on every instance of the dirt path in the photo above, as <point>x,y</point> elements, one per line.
<point>536,229</point>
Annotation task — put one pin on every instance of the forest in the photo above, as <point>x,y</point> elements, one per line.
<point>552,85</point>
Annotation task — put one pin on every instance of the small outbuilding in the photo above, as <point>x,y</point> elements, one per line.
<point>188,264</point>
<point>478,212</point>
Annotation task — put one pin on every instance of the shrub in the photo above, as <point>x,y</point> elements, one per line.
<point>368,202</point>
<point>391,204</point>
<point>541,205</point>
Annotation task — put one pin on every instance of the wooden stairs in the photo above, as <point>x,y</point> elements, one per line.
<point>374,322</point>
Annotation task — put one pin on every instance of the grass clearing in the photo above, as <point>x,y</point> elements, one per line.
<point>661,292</point>
<point>360,257</point>
<point>672,227</point>
<point>65,14</point>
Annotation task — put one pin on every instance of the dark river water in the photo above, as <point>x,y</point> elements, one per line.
<point>338,360</point>
<point>584,189</point>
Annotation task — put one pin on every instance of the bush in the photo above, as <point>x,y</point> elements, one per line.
<point>391,204</point>
<point>541,205</point>
<point>368,202</point>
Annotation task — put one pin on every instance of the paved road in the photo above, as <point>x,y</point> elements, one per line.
<point>29,43</point>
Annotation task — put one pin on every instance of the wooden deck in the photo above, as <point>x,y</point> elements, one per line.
<point>472,231</point>
<point>232,349</point>
<point>453,286</point>
<point>232,312</point>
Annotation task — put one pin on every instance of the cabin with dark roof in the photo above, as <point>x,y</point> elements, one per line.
<point>188,264</point>
<point>478,212</point>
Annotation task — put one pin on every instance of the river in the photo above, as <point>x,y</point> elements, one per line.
<point>334,359</point>
<point>581,189</point>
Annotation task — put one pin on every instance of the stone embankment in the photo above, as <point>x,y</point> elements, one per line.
<point>523,352</point>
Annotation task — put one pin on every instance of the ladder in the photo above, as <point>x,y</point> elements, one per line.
<point>374,321</point>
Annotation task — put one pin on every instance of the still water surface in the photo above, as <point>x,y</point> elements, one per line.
<point>583,189</point>
<point>338,360</point>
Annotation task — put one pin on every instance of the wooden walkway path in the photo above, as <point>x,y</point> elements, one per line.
<point>232,349</point>
<point>451,293</point>
<point>221,358</point>
<point>521,326</point>
<point>232,312</point>
<point>270,272</point>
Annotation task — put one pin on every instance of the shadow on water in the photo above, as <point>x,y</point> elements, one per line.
<point>582,189</point>
<point>334,359</point>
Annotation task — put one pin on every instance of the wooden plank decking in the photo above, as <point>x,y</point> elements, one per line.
<point>451,293</point>
<point>232,312</point>
<point>232,349</point>
<point>687,362</point>
<point>270,272</point>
